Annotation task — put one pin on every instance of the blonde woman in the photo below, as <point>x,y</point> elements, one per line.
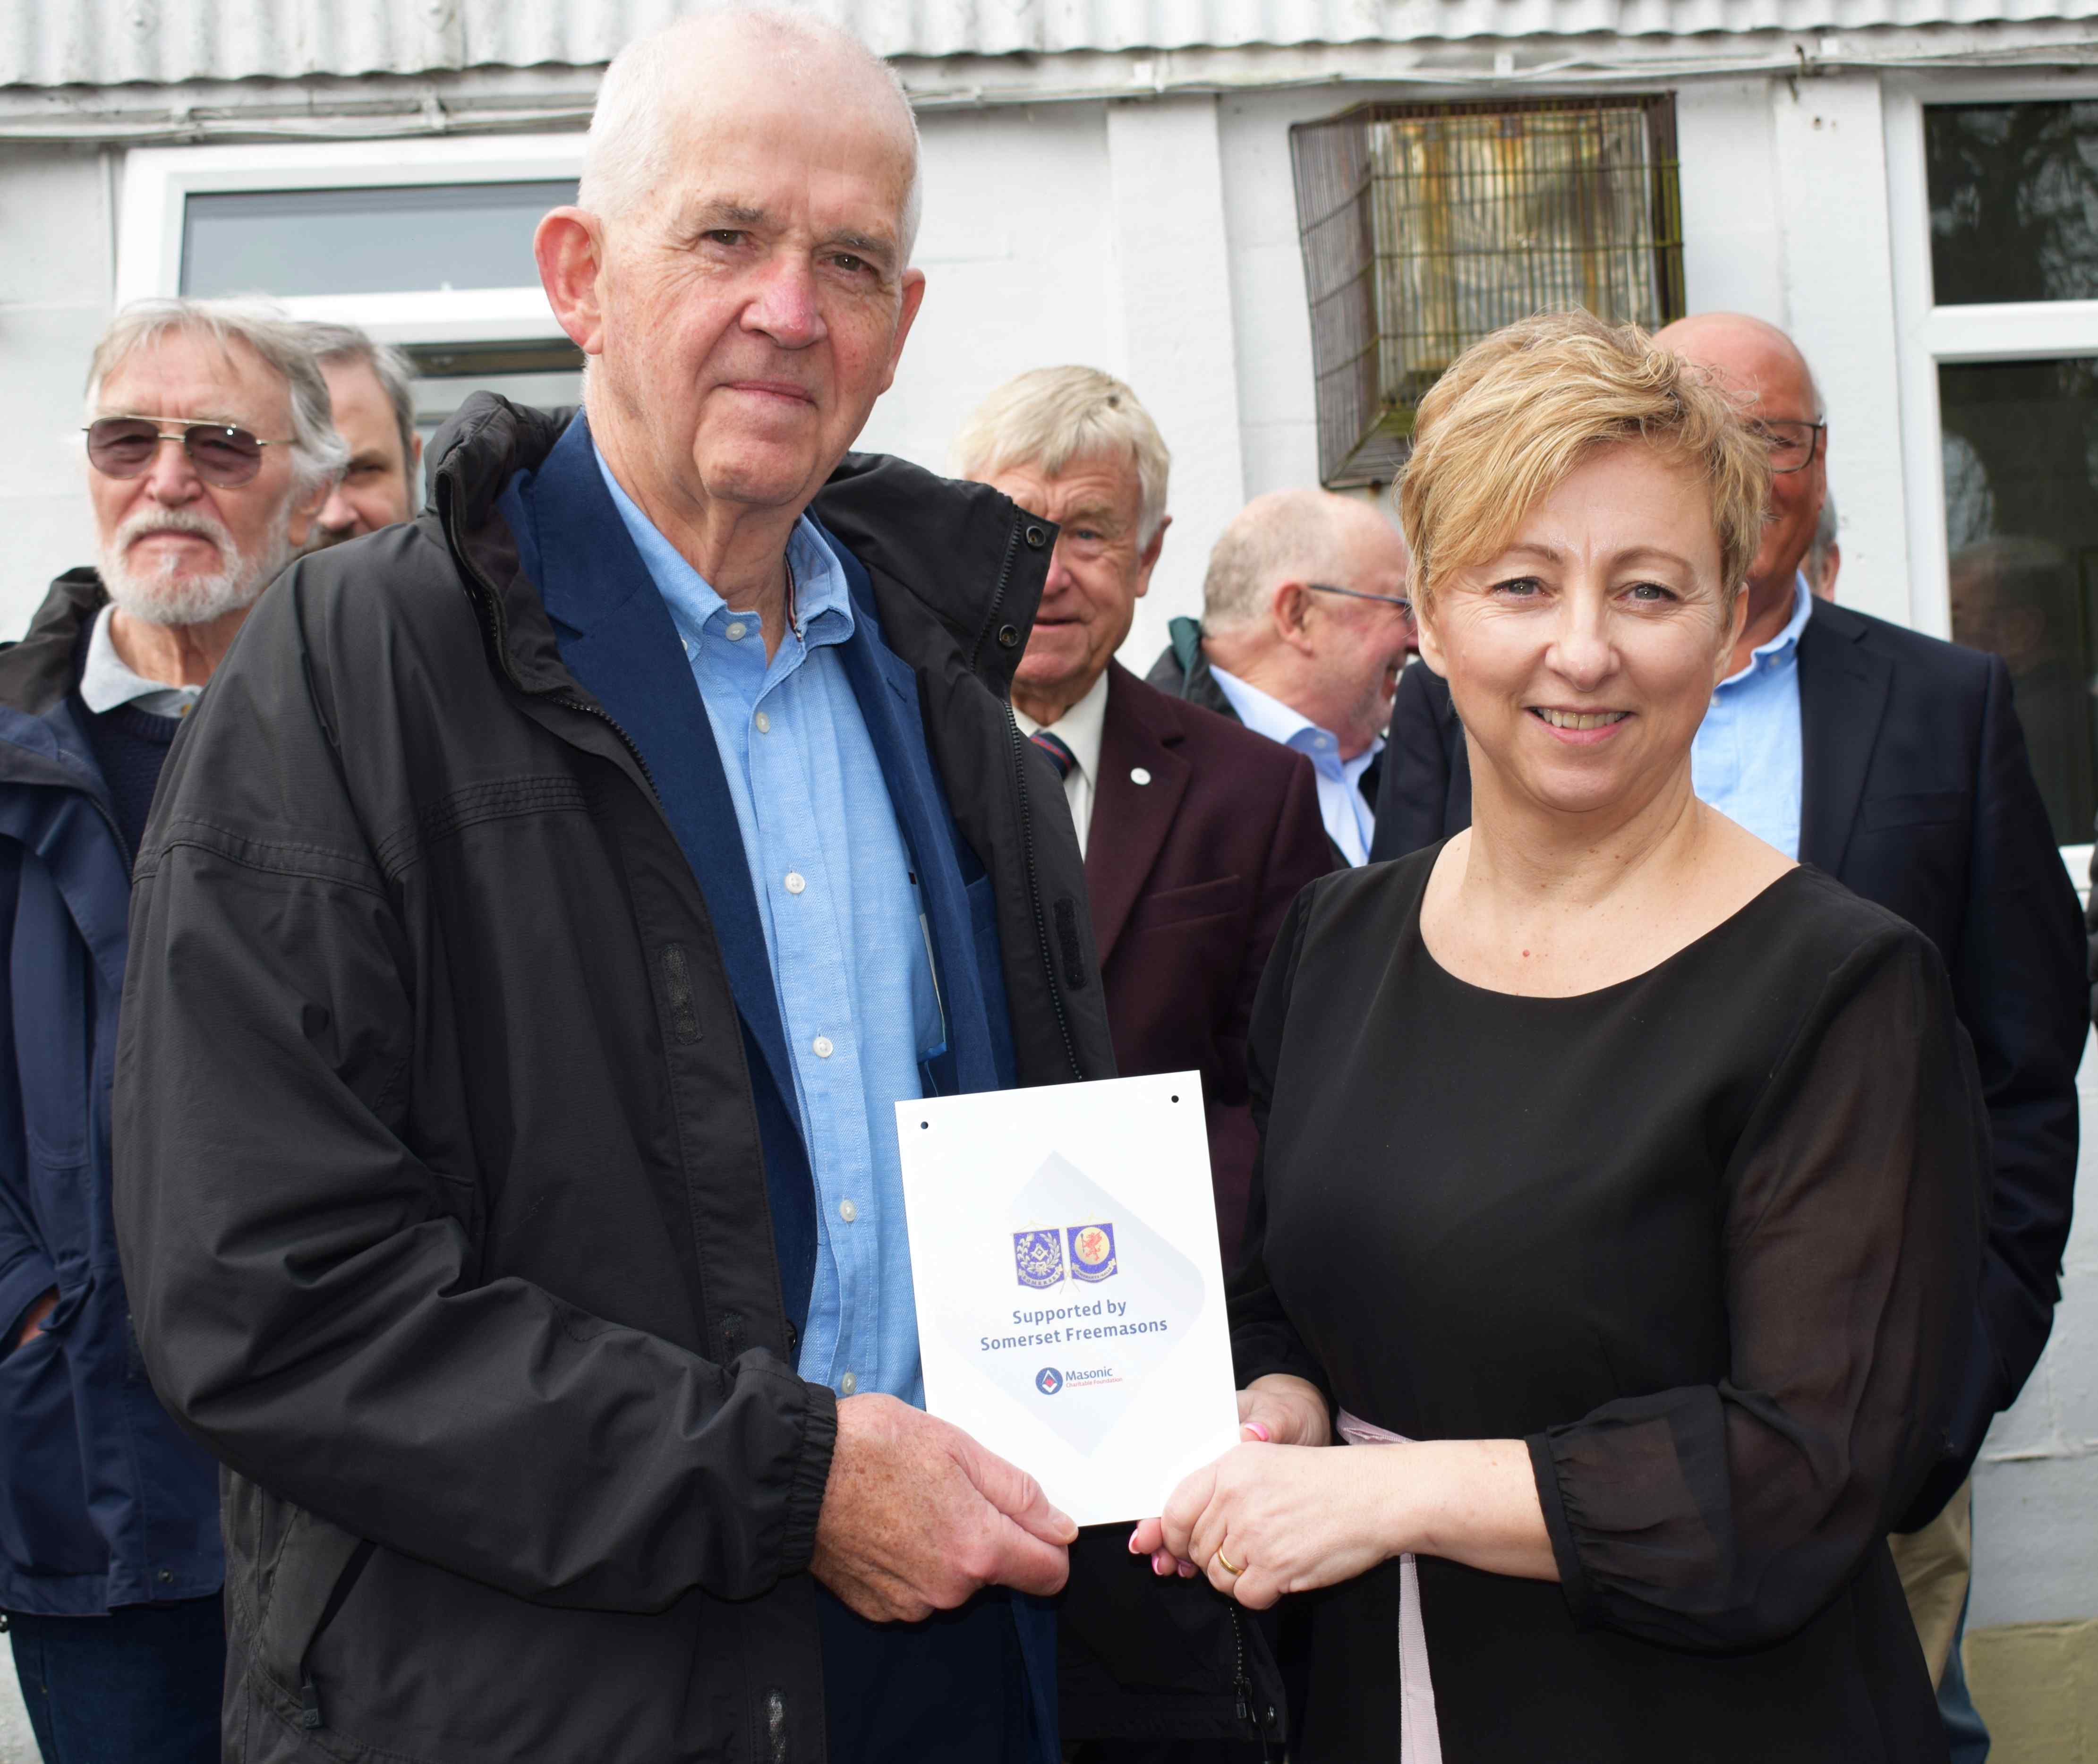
<point>1657,1296</point>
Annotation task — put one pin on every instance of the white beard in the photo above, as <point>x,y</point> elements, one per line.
<point>170,596</point>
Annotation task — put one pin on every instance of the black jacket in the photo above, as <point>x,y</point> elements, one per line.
<point>440,1185</point>
<point>1916,794</point>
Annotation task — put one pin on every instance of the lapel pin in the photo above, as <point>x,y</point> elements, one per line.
<point>1139,775</point>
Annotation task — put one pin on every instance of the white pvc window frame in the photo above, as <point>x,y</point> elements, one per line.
<point>158,183</point>
<point>1927,334</point>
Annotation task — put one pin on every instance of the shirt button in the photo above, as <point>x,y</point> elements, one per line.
<point>735,630</point>
<point>764,723</point>
<point>796,882</point>
<point>823,1046</point>
<point>848,1383</point>
<point>847,1211</point>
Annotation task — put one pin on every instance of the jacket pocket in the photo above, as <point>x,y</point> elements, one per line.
<point>44,1524</point>
<point>1925,808</point>
<point>316,1565</point>
<point>1201,900</point>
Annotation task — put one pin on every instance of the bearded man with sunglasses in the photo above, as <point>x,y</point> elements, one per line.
<point>209,448</point>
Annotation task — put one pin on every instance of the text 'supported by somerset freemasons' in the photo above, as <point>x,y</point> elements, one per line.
<point>1070,1293</point>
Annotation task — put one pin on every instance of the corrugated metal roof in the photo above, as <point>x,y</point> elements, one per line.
<point>109,42</point>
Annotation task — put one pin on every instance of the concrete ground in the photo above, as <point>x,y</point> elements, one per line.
<point>16,1745</point>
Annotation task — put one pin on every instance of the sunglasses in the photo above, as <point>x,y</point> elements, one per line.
<point>223,456</point>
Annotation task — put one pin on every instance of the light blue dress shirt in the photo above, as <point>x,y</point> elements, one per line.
<point>1348,818</point>
<point>1746,760</point>
<point>843,926</point>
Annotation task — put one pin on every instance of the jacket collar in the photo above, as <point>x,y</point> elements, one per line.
<point>36,673</point>
<point>1197,684</point>
<point>1843,687</point>
<point>959,551</point>
<point>1143,730</point>
<point>40,740</point>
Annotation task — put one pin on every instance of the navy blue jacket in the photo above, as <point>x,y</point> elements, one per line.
<point>103,1501</point>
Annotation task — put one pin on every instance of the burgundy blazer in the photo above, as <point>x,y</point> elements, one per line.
<point>1190,875</point>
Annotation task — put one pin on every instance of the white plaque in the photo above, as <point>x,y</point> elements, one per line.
<point>1070,1292</point>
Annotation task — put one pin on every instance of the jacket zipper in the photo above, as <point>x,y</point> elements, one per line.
<point>1019,745</point>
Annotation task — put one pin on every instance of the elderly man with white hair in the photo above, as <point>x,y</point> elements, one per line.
<point>1305,627</point>
<point>542,918</point>
<point>208,450</point>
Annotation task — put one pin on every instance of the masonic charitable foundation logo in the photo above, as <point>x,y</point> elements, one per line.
<point>1038,1255</point>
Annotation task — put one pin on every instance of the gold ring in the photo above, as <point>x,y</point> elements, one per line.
<point>1230,1567</point>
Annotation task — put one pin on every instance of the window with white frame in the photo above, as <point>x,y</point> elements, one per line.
<point>425,244</point>
<point>2000,365</point>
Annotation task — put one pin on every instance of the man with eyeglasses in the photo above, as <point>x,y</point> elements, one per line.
<point>1304,628</point>
<point>208,449</point>
<point>1896,763</point>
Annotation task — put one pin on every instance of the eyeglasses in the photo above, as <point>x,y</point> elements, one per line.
<point>1791,444</point>
<point>1400,601</point>
<point>225,457</point>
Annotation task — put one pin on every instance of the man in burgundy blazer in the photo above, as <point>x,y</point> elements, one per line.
<point>1191,873</point>
<point>1197,834</point>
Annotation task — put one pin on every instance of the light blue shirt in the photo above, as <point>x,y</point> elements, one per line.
<point>1746,760</point>
<point>1349,821</point>
<point>843,926</point>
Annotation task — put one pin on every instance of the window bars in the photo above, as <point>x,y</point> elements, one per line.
<point>1427,226</point>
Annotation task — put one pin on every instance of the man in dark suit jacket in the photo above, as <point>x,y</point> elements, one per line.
<point>1912,788</point>
<point>1197,834</point>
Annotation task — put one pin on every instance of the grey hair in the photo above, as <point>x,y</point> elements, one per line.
<point>318,452</point>
<point>1049,416</point>
<point>626,156</point>
<point>391,367</point>
<point>1284,535</point>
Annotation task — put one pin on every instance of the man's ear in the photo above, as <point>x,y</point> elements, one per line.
<point>1291,607</point>
<point>1148,562</point>
<point>913,297</point>
<point>568,245</point>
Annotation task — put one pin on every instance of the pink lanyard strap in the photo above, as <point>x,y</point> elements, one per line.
<point>1420,1740</point>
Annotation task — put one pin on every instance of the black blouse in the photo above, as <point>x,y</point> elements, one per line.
<point>1708,1239</point>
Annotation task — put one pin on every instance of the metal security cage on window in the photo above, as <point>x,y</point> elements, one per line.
<point>1425,227</point>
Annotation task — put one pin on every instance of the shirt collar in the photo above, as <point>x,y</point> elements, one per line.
<point>1080,728</point>
<point>107,680</point>
<point>823,600</point>
<point>1767,656</point>
<point>1266,715</point>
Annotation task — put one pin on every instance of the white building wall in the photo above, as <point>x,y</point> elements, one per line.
<point>54,281</point>
<point>1158,240</point>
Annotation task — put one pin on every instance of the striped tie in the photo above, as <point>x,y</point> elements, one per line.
<point>1061,755</point>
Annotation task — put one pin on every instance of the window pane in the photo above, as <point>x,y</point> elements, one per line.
<point>2013,201</point>
<point>2020,451</point>
<point>1427,226</point>
<point>405,238</point>
<point>548,375</point>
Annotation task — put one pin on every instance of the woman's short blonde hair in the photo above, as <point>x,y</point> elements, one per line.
<point>1518,411</point>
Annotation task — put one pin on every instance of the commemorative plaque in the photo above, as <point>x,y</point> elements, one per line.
<point>1069,1290</point>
